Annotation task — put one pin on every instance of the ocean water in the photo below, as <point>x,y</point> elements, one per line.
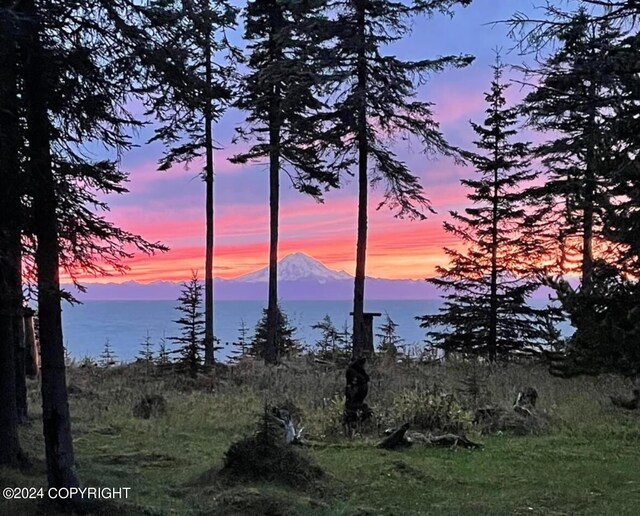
<point>125,323</point>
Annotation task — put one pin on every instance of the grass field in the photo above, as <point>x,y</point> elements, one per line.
<point>585,461</point>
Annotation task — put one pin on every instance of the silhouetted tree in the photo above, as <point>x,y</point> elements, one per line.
<point>286,343</point>
<point>607,326</point>
<point>108,357</point>
<point>390,341</point>
<point>191,322</point>
<point>486,311</point>
<point>192,87</point>
<point>78,65</point>
<point>163,358</point>
<point>241,344</point>
<point>534,34</point>
<point>55,408</point>
<point>573,102</point>
<point>594,108</point>
<point>10,245</point>
<point>376,103</point>
<point>146,349</point>
<point>331,343</point>
<point>281,93</point>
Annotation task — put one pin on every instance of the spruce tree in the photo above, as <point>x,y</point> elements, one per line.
<point>108,357</point>
<point>390,342</point>
<point>328,346</point>
<point>286,343</point>
<point>621,217</point>
<point>573,103</point>
<point>163,358</point>
<point>190,88</point>
<point>376,102</point>
<point>146,354</point>
<point>75,65</point>
<point>241,344</point>
<point>78,65</point>
<point>282,95</point>
<point>598,56</point>
<point>485,310</point>
<point>10,245</point>
<point>191,321</point>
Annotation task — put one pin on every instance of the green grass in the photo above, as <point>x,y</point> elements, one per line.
<point>585,463</point>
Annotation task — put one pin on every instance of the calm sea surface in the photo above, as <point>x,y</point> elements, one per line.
<point>126,323</point>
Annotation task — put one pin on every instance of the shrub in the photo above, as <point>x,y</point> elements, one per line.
<point>326,421</point>
<point>431,410</point>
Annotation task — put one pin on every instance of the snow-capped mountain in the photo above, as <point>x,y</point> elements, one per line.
<point>300,277</point>
<point>297,267</point>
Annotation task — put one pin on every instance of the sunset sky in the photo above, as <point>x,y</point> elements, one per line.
<point>169,206</point>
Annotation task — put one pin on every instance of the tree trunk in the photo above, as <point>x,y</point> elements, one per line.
<point>271,350</point>
<point>55,408</point>
<point>10,223</point>
<point>20,355</point>
<point>493,303</point>
<point>587,227</point>
<point>589,194</point>
<point>208,283</point>
<point>32,346</point>
<point>359,344</point>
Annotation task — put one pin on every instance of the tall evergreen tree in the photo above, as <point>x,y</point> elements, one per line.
<point>191,86</point>
<point>281,93</point>
<point>55,407</point>
<point>605,63</point>
<point>10,223</point>
<point>621,218</point>
<point>376,103</point>
<point>77,64</point>
<point>486,311</point>
<point>191,321</point>
<point>573,102</point>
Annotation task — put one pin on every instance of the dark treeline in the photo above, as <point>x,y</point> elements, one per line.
<point>323,101</point>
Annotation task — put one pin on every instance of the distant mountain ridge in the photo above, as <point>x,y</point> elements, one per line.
<point>300,277</point>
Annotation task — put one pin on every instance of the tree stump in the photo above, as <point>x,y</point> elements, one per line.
<point>355,392</point>
<point>525,403</point>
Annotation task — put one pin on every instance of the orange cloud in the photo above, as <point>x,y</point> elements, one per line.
<point>396,248</point>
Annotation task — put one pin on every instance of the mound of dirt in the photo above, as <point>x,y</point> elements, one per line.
<point>265,456</point>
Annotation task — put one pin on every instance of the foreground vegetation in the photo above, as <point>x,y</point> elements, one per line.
<point>584,462</point>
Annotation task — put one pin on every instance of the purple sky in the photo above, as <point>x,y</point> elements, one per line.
<point>169,206</point>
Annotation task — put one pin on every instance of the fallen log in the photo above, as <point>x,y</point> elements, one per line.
<point>396,439</point>
<point>453,441</point>
<point>399,438</point>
